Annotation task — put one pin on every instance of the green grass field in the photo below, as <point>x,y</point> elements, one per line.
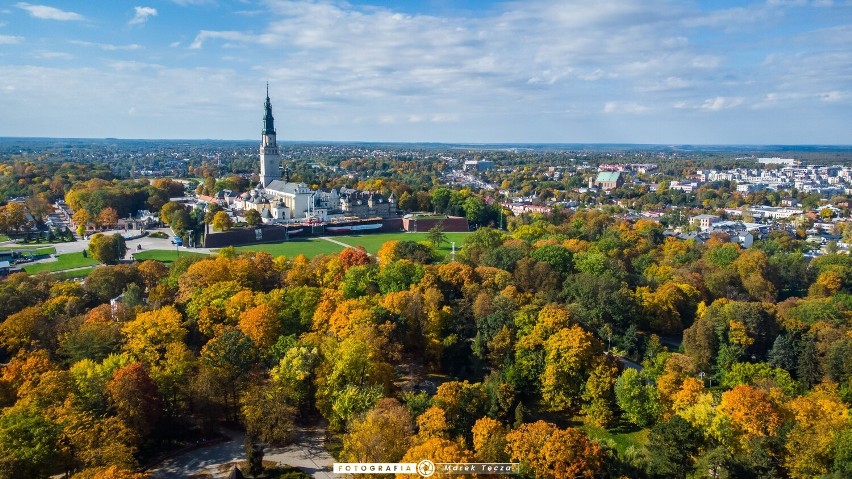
<point>311,247</point>
<point>64,261</point>
<point>372,242</point>
<point>163,255</point>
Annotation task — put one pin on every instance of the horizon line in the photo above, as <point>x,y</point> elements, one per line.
<point>470,143</point>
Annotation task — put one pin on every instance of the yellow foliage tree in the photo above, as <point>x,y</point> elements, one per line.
<point>149,335</point>
<point>820,416</point>
<point>437,450</point>
<point>432,423</point>
<point>261,324</point>
<point>384,435</point>
<point>751,413</point>
<point>489,440</point>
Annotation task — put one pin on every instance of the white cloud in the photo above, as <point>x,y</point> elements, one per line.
<point>722,103</point>
<point>184,3</point>
<point>109,47</point>
<point>624,107</point>
<point>554,70</point>
<point>47,55</point>
<point>49,13</point>
<point>834,96</point>
<point>10,40</point>
<point>235,36</point>
<point>142,14</point>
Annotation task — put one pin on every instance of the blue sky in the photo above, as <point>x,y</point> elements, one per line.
<point>635,71</point>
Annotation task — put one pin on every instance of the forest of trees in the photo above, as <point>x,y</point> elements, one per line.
<point>745,355</point>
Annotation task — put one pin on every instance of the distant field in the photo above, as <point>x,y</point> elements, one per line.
<point>163,255</point>
<point>64,261</point>
<point>311,247</point>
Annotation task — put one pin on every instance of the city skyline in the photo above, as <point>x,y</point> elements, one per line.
<point>611,71</point>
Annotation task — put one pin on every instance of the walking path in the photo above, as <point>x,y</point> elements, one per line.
<point>307,453</point>
<point>341,243</point>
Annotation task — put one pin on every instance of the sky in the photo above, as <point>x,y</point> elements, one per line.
<point>465,71</point>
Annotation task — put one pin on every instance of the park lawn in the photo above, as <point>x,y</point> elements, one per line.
<point>622,437</point>
<point>63,262</point>
<point>29,248</point>
<point>4,238</point>
<point>309,247</point>
<point>164,255</point>
<point>372,242</point>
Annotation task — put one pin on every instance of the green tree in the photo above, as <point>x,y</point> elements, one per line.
<point>640,402</point>
<point>107,249</point>
<point>436,235</point>
<point>673,447</point>
<point>254,457</point>
<point>27,444</point>
<point>252,218</point>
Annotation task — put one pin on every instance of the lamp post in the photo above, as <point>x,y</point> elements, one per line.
<point>702,375</point>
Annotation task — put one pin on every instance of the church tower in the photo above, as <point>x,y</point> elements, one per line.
<point>270,159</point>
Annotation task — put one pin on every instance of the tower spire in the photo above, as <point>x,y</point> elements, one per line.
<point>268,120</point>
<point>270,159</point>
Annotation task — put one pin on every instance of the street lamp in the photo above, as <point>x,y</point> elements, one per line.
<point>702,375</point>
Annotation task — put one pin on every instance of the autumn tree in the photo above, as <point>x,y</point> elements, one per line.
<point>149,335</point>
<point>546,451</point>
<point>107,217</point>
<point>222,221</point>
<point>261,324</point>
<point>167,212</point>
<point>267,414</point>
<point>489,440</point>
<point>383,435</point>
<point>751,412</point>
<point>107,249</point>
<point>438,451</point>
<point>134,396</point>
<point>598,395</point>
<point>570,357</point>
<point>820,419</point>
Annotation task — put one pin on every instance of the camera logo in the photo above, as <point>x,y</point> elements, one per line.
<point>426,468</point>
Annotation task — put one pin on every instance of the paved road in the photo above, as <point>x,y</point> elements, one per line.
<point>307,453</point>
<point>147,243</point>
